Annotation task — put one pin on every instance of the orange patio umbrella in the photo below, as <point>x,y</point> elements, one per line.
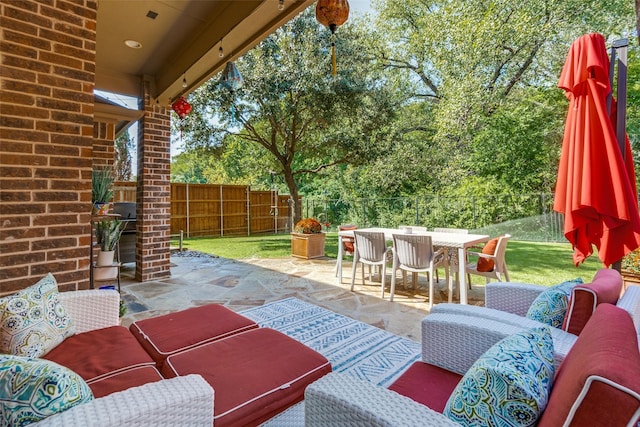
<point>596,187</point>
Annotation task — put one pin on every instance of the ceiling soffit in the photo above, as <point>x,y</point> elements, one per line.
<point>181,42</point>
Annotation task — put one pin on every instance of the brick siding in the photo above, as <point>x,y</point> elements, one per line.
<point>153,198</point>
<point>104,135</point>
<point>46,141</point>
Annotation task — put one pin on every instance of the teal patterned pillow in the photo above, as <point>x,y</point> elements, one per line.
<point>33,389</point>
<point>509,385</point>
<point>550,306</point>
<point>33,321</point>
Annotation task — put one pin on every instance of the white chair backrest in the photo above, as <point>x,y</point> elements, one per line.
<point>412,250</point>
<point>451,230</point>
<point>371,245</point>
<point>414,228</point>
<point>499,254</point>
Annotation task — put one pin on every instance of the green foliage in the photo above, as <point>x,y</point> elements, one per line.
<point>448,102</point>
<point>304,120</point>
<point>108,232</point>
<point>123,308</point>
<point>122,165</point>
<point>101,185</point>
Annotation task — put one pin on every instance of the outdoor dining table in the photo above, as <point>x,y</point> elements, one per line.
<point>450,241</point>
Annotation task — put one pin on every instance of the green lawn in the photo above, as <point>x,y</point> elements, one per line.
<point>529,262</point>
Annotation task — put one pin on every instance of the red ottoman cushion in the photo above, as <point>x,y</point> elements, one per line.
<point>124,379</point>
<point>427,384</point>
<point>255,374</point>
<point>165,335</point>
<point>96,353</point>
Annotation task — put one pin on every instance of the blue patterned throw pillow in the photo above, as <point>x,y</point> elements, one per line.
<point>33,389</point>
<point>550,306</point>
<point>33,321</point>
<point>509,385</point>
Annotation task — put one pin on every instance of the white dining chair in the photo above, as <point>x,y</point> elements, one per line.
<point>415,253</point>
<point>413,229</point>
<point>499,270</point>
<point>347,245</point>
<point>453,255</point>
<point>370,249</point>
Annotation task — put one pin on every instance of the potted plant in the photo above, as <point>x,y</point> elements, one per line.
<point>108,232</point>
<point>101,190</point>
<point>307,239</point>
<point>631,267</point>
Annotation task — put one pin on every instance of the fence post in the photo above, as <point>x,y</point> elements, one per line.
<point>417,212</point>
<point>181,239</point>
<point>188,219</point>
<point>221,213</point>
<point>247,192</point>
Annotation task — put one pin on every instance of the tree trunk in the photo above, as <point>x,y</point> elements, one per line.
<point>296,206</point>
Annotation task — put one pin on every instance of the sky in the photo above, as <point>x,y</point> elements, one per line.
<point>359,6</point>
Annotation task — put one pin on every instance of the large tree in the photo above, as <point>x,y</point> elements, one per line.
<point>122,166</point>
<point>488,71</point>
<point>304,119</point>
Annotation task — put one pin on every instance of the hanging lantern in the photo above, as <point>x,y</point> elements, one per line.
<point>332,14</point>
<point>181,107</point>
<point>231,78</point>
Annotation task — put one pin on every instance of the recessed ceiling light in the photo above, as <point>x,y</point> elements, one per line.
<point>133,44</point>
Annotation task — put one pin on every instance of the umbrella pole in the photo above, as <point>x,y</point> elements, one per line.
<point>619,47</point>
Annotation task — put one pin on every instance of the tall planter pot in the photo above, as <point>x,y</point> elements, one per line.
<point>307,246</point>
<point>105,269</point>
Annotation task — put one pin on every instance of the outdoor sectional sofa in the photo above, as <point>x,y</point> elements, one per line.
<point>596,385</point>
<point>506,307</point>
<point>192,368</point>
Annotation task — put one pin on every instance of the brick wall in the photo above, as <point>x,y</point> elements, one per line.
<point>46,135</point>
<point>104,135</point>
<point>153,199</point>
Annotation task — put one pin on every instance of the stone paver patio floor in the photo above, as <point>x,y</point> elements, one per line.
<point>198,279</point>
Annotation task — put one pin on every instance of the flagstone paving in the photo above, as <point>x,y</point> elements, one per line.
<point>198,279</point>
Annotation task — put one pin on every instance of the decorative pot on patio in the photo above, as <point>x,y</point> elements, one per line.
<point>307,246</point>
<point>307,240</point>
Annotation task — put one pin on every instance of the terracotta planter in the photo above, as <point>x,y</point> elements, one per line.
<point>630,278</point>
<point>307,246</point>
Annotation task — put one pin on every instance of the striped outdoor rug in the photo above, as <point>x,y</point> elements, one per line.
<point>352,347</point>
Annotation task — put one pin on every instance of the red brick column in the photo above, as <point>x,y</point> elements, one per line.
<point>153,209</point>
<point>104,135</point>
<point>46,135</point>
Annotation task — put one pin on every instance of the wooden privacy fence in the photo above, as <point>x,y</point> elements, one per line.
<point>219,210</point>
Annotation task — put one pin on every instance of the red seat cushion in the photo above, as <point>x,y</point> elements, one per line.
<point>100,352</point>
<point>255,374</point>
<point>348,242</point>
<point>427,384</point>
<point>598,383</point>
<point>605,288</point>
<point>165,335</point>
<point>123,380</point>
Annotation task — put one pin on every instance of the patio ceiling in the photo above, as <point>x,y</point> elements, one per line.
<point>179,40</point>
